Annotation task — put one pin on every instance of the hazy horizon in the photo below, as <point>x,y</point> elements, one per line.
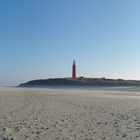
<point>40,39</point>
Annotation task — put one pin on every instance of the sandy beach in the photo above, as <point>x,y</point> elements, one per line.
<point>68,114</point>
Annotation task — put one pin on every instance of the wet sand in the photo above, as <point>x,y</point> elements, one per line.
<point>68,114</point>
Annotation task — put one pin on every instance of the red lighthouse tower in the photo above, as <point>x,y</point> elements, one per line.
<point>74,70</point>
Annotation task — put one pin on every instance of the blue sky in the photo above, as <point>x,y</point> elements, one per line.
<point>40,39</point>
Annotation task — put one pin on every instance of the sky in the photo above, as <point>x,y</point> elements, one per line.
<point>40,38</point>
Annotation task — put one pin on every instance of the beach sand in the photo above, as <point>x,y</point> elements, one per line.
<point>68,114</point>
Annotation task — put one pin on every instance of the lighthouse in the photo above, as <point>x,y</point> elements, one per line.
<point>74,70</point>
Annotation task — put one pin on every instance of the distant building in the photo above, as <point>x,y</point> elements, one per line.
<point>74,70</point>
